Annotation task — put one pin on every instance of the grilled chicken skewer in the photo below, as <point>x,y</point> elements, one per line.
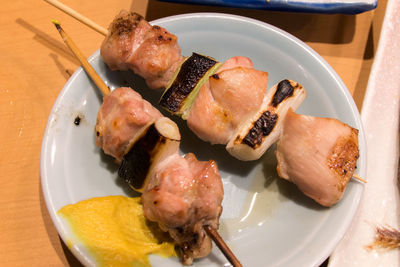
<point>224,103</point>
<point>248,134</point>
<point>232,107</point>
<point>181,194</point>
<point>222,109</point>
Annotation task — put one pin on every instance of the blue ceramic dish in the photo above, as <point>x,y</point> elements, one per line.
<point>345,7</point>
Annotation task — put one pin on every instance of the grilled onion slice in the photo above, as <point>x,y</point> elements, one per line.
<point>257,134</point>
<point>183,89</point>
<point>160,140</point>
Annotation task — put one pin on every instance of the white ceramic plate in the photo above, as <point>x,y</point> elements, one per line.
<point>266,220</point>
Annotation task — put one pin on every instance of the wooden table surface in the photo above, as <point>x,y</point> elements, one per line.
<point>35,65</point>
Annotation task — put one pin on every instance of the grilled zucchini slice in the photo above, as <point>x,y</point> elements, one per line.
<point>183,89</point>
<point>161,140</point>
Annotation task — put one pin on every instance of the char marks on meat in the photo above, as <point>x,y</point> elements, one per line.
<point>183,196</point>
<point>125,23</point>
<point>149,51</point>
<point>230,96</point>
<point>122,117</point>
<point>319,155</point>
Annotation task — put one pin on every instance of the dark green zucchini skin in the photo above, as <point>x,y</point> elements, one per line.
<point>137,162</point>
<point>194,69</point>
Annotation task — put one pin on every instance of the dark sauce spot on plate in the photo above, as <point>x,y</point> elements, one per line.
<point>77,120</point>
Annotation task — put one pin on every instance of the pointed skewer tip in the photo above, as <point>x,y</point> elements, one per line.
<point>56,23</point>
<point>357,177</point>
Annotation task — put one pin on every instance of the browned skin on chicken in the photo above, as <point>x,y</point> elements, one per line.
<point>149,51</point>
<point>125,35</point>
<point>230,96</point>
<point>319,155</point>
<point>121,118</point>
<point>183,196</point>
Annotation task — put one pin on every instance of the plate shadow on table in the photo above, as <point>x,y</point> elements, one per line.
<point>308,27</point>
<point>72,260</point>
<point>67,73</point>
<point>62,251</point>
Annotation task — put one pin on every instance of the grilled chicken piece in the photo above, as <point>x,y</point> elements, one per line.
<point>122,117</point>
<point>183,196</point>
<point>230,96</point>
<point>149,51</point>
<point>319,155</point>
<point>125,34</point>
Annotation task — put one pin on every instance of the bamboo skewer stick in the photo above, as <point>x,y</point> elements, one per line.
<point>85,64</point>
<point>222,246</point>
<point>357,177</point>
<point>105,90</point>
<point>78,16</point>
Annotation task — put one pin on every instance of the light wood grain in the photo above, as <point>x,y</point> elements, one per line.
<point>35,64</point>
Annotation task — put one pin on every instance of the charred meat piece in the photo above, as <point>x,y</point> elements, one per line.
<point>123,116</point>
<point>181,194</point>
<point>319,155</point>
<point>229,97</point>
<point>184,195</point>
<point>125,34</point>
<point>149,51</point>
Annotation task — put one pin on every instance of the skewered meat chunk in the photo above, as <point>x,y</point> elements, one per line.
<point>125,34</point>
<point>225,106</point>
<point>257,134</point>
<point>121,119</point>
<point>319,155</point>
<point>229,97</point>
<point>149,51</point>
<point>183,196</point>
